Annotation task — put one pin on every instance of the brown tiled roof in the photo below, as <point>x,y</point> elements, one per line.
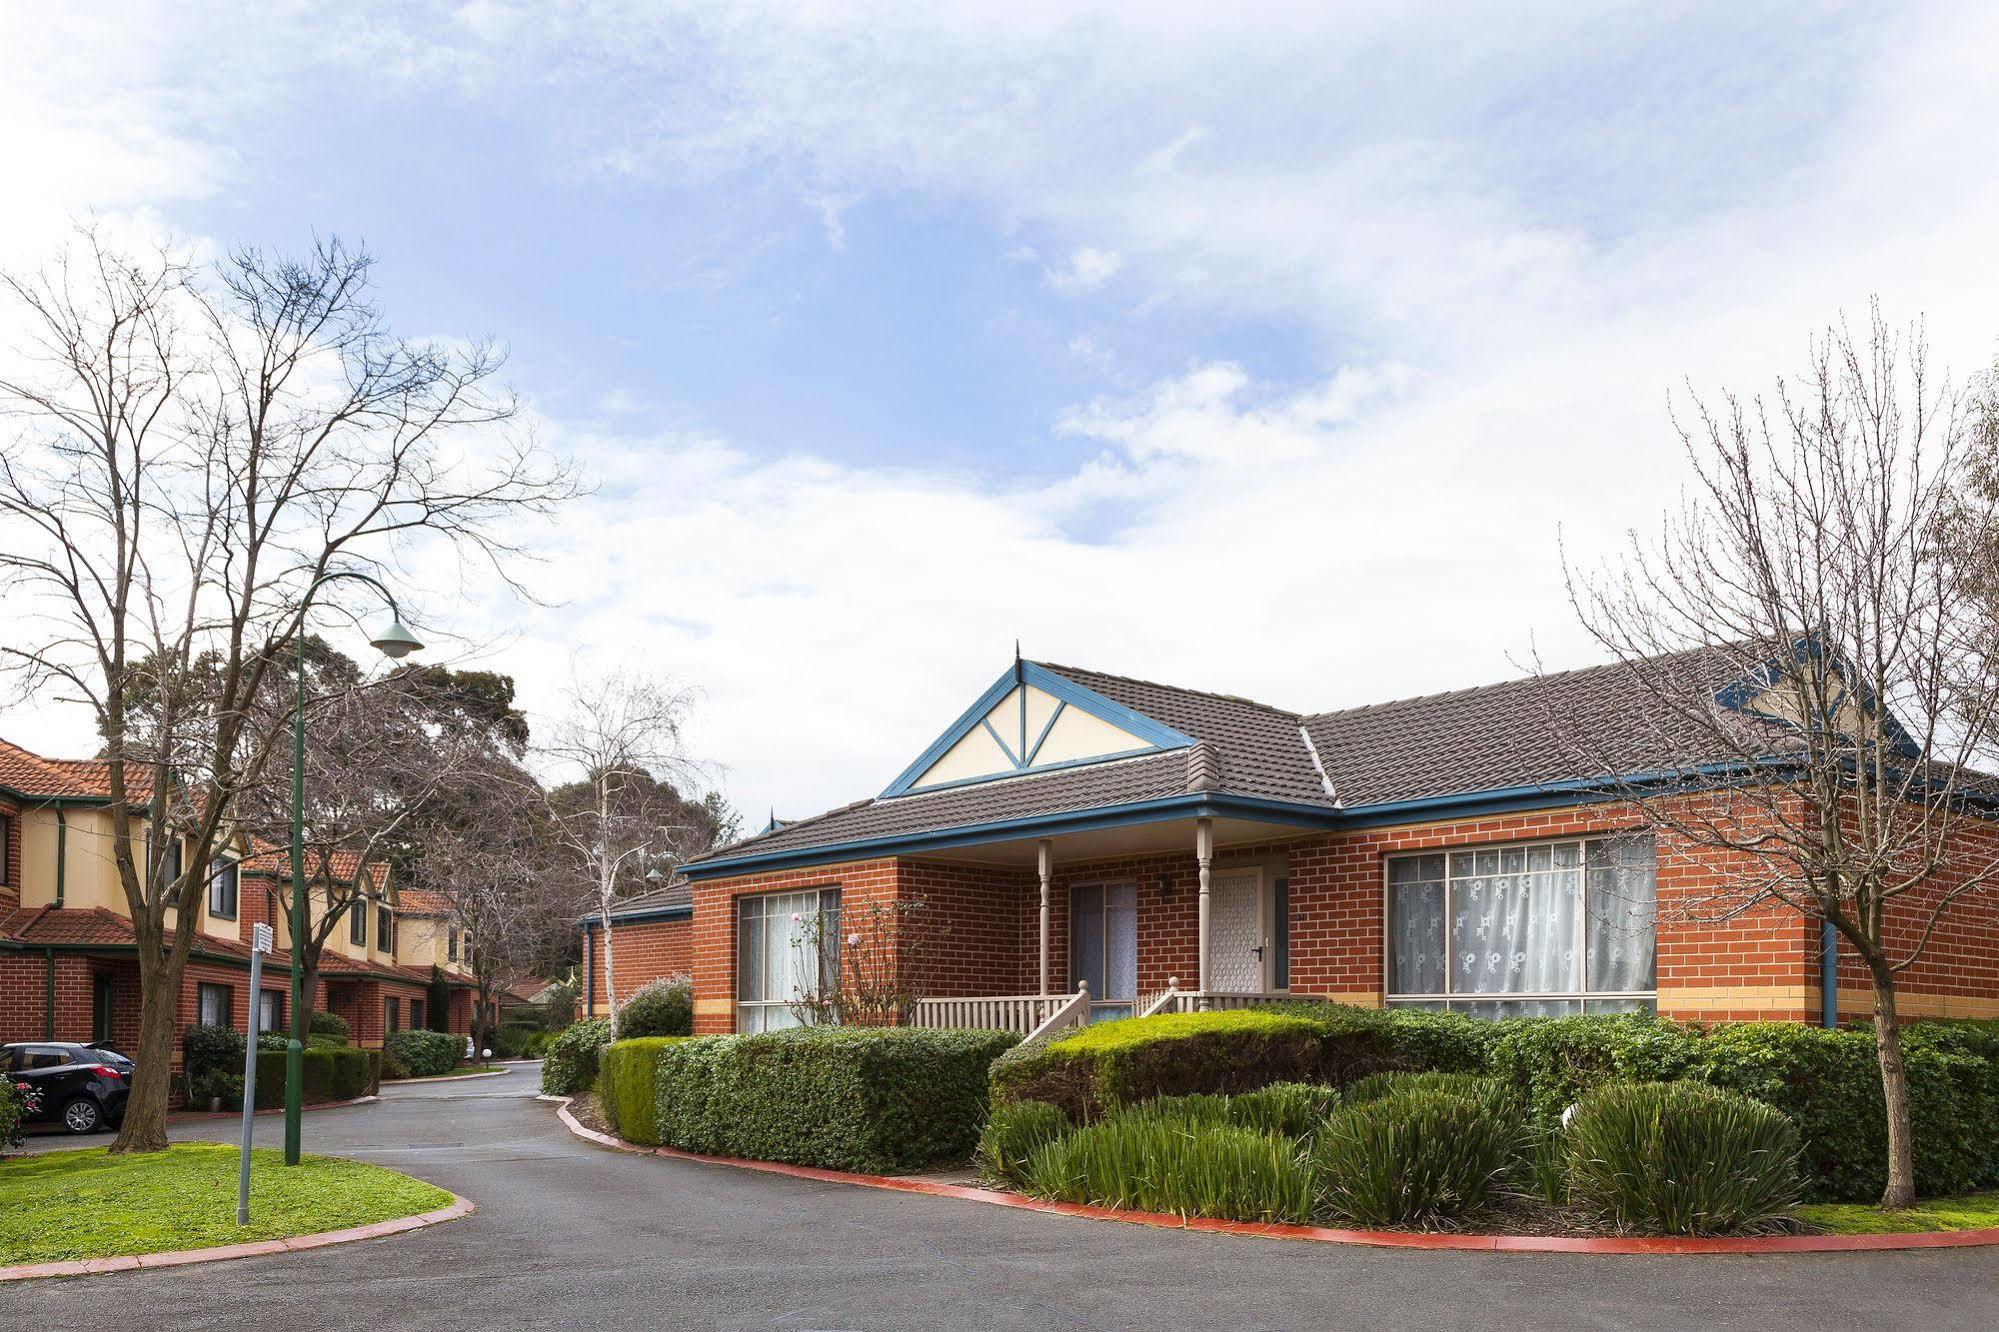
<point>277,860</point>
<point>85,927</point>
<point>1498,737</point>
<point>678,893</point>
<point>67,779</point>
<point>422,902</point>
<point>1503,736</point>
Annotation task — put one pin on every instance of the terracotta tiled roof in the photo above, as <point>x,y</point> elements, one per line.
<point>422,902</point>
<point>85,927</point>
<point>277,861</point>
<point>67,779</point>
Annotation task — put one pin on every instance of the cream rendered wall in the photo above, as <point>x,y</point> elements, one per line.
<point>90,877</point>
<point>1079,735</point>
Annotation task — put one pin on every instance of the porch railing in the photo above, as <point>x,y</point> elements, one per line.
<point>1035,1015</point>
<point>1023,1013</point>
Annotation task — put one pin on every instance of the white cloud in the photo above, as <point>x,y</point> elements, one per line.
<point>1492,258</point>
<point>1088,268</point>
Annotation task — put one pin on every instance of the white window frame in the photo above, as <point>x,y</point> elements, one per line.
<point>1451,999</point>
<point>820,894</point>
<point>226,871</point>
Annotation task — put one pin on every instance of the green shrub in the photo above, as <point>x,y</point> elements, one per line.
<point>320,1022</point>
<point>1490,1091</point>
<point>320,1040</point>
<point>1679,1158</point>
<point>628,1086</point>
<point>570,1066</point>
<point>1542,1168</point>
<point>270,1079</point>
<point>426,1054</point>
<point>661,1007</point>
<point>849,1098</point>
<point>1117,1063</point>
<point>1551,1063</point>
<point>275,1040</point>
<point>211,1049</point>
<point>13,1109</point>
<point>350,1072</point>
<point>1294,1109</point>
<point>512,1039</point>
<point>1150,1162</point>
<point>1012,1134</point>
<point>1418,1157</point>
<point>217,1084</point>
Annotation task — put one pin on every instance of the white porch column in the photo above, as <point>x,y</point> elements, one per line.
<point>1204,851</point>
<point>1047,859</point>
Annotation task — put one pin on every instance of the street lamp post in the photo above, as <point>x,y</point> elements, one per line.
<point>395,642</point>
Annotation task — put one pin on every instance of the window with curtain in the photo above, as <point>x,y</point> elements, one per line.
<point>787,952</point>
<point>222,891</point>
<point>1103,945</point>
<point>271,1010</point>
<point>212,1004</point>
<point>1525,931</point>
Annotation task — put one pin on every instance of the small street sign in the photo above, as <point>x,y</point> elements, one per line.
<point>261,938</point>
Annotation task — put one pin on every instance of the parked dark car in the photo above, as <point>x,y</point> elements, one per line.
<point>82,1089</point>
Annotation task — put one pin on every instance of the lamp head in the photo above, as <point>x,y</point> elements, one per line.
<point>396,642</point>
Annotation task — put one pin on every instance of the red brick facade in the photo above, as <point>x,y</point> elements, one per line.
<point>642,951</point>
<point>1759,963</point>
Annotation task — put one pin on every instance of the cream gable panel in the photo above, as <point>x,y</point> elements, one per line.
<point>1075,735</point>
<point>1080,735</point>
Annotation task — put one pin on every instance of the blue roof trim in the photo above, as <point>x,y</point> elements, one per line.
<point>1205,804</point>
<point>1742,694</point>
<point>1155,735</point>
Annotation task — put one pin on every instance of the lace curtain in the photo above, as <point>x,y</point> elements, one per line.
<point>1524,920</point>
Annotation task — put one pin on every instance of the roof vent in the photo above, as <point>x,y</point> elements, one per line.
<point>1204,767</point>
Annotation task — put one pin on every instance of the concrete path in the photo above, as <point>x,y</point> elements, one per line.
<point>572,1236</point>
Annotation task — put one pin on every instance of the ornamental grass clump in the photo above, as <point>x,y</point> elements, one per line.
<point>1153,1163</point>
<point>1014,1131</point>
<point>1682,1158</point>
<point>1490,1090</point>
<point>1293,1109</point>
<point>1423,1156</point>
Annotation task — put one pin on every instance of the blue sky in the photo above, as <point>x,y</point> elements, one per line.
<point>1264,348</point>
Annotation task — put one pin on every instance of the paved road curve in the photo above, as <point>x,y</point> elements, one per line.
<point>571,1236</point>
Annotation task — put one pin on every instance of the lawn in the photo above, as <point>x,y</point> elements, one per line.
<point>90,1204</point>
<point>462,1071</point>
<point>1972,1211</point>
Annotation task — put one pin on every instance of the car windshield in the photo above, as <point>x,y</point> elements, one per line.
<point>110,1054</point>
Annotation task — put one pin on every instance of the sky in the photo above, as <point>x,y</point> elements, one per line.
<point>1280,350</point>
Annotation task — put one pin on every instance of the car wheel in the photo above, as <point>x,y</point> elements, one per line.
<point>82,1116</point>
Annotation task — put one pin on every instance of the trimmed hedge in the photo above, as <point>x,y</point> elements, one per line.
<point>426,1054</point>
<point>1117,1063</point>
<point>13,1109</point>
<point>332,1073</point>
<point>321,1022</point>
<point>1827,1082</point>
<point>871,1099</point>
<point>628,1086</point>
<point>570,1065</point>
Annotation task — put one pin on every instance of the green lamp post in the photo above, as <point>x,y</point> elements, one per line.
<point>395,642</point>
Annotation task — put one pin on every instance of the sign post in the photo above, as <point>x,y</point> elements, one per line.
<point>259,946</point>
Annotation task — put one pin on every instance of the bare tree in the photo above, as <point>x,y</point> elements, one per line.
<point>381,759</point>
<point>192,451</point>
<point>621,822</point>
<point>1816,669</point>
<point>495,868</point>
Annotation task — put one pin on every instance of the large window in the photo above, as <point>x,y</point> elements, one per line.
<point>392,1015</point>
<point>103,989</point>
<point>222,891</point>
<point>1524,931</point>
<point>357,923</point>
<point>270,1010</point>
<point>212,1003</point>
<point>787,951</point>
<point>1103,945</point>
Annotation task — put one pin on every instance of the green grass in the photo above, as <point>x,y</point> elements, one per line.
<point>1972,1211</point>
<point>462,1071</point>
<point>90,1204</point>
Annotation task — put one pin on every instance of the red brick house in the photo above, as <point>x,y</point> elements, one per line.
<point>1093,845</point>
<point>654,937</point>
<point>68,956</point>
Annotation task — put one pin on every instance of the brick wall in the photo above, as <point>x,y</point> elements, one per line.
<point>641,951</point>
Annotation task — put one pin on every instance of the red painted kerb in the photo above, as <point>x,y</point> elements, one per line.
<point>1387,1239</point>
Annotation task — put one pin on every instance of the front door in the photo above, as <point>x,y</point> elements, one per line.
<point>1238,932</point>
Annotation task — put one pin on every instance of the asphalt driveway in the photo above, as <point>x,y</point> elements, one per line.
<point>572,1236</point>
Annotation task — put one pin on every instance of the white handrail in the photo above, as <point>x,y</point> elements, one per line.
<point>1166,1001</point>
<point>1074,1013</point>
